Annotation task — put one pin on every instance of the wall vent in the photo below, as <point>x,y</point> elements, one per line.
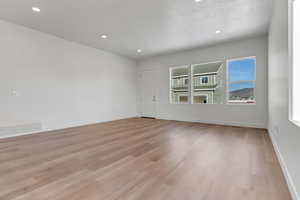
<point>20,129</point>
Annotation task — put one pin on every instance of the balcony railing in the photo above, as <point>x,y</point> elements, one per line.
<point>205,87</point>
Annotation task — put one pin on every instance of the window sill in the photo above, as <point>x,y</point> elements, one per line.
<point>179,103</point>
<point>297,123</point>
<point>240,103</point>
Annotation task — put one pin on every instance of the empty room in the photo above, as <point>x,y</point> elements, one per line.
<point>150,100</point>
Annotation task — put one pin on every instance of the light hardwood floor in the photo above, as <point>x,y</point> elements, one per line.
<point>142,159</point>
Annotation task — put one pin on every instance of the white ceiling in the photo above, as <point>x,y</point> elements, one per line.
<point>155,26</point>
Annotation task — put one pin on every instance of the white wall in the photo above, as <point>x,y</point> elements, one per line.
<point>59,83</point>
<point>286,135</point>
<point>241,115</point>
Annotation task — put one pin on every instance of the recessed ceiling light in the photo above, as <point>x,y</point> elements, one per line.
<point>198,1</point>
<point>103,36</point>
<point>36,9</point>
<point>218,31</point>
<point>139,50</point>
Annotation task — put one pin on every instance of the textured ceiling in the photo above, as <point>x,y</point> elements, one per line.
<point>155,26</point>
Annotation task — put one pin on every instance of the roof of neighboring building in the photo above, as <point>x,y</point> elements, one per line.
<point>180,71</point>
<point>207,68</point>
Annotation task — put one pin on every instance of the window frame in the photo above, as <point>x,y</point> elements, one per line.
<point>189,84</point>
<point>291,61</point>
<point>228,102</point>
<point>202,77</point>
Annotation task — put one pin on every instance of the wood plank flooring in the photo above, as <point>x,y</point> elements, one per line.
<point>142,159</point>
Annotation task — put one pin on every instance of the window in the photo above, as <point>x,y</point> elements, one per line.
<point>204,80</point>
<point>186,81</point>
<point>206,83</point>
<point>179,85</point>
<point>183,99</point>
<point>295,83</point>
<point>241,80</point>
<point>201,99</point>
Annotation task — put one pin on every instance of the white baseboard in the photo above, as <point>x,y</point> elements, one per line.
<point>240,124</point>
<point>20,129</point>
<point>284,168</point>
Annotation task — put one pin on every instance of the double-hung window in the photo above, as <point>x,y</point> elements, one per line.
<point>241,80</point>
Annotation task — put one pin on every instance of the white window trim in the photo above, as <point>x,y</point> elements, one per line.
<point>230,102</point>
<point>291,74</point>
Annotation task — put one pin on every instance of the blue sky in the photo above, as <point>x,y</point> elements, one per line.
<point>241,70</point>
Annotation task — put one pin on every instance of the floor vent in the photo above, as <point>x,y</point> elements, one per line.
<point>148,117</point>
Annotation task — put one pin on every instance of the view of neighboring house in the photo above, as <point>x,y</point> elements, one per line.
<point>180,84</point>
<point>206,81</point>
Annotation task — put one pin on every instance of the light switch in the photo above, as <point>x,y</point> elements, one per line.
<point>15,93</point>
